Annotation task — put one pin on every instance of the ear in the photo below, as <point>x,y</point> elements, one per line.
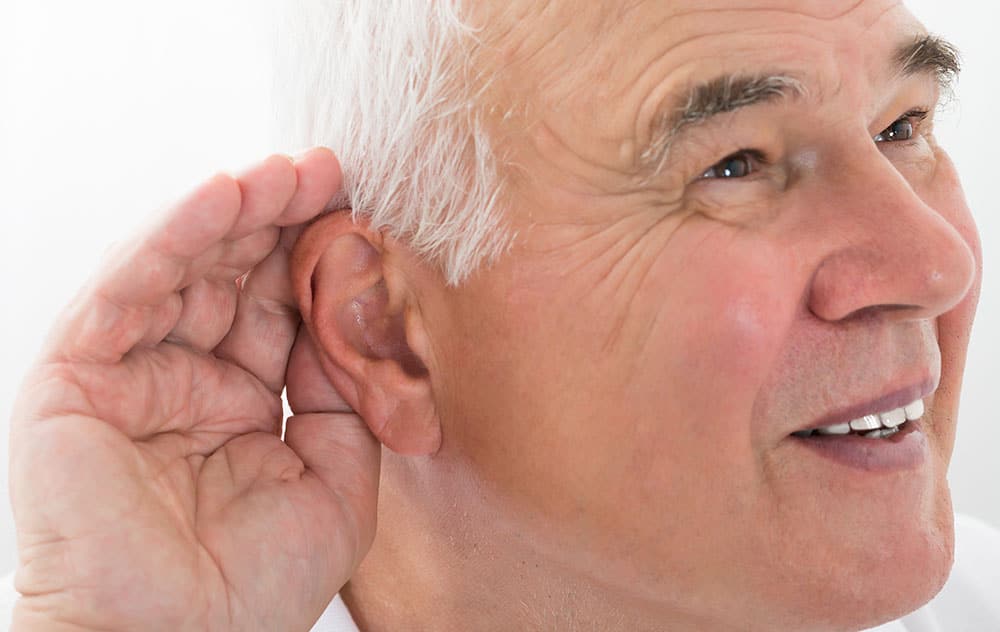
<point>362,317</point>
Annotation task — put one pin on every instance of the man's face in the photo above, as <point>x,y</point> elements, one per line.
<point>626,381</point>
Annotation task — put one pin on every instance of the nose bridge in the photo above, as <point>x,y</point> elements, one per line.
<point>891,251</point>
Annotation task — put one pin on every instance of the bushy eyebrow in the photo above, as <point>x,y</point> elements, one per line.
<point>728,93</point>
<point>707,100</point>
<point>930,53</point>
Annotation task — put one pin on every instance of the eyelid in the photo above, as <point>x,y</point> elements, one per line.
<point>916,115</point>
<point>760,160</point>
<point>757,158</point>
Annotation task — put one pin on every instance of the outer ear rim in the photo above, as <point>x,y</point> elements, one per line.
<point>398,407</point>
<point>305,256</point>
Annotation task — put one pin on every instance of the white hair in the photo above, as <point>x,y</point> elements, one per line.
<point>389,86</point>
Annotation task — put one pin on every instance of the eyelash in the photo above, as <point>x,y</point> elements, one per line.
<point>756,157</point>
<point>915,117</point>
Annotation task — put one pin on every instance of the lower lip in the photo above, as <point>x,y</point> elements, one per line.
<point>905,450</point>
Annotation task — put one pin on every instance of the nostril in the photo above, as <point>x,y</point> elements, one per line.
<point>869,279</point>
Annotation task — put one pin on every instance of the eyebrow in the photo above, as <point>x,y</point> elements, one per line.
<point>924,54</point>
<point>932,54</point>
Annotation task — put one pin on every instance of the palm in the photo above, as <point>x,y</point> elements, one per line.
<point>151,486</point>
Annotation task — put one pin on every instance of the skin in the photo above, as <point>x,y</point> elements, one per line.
<point>592,433</point>
<point>150,487</point>
<point>616,450</point>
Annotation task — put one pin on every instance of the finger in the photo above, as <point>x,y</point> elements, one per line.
<point>266,320</point>
<point>206,315</point>
<point>265,188</point>
<point>121,306</point>
<point>232,259</point>
<point>153,393</point>
<point>118,308</point>
<point>319,180</point>
<point>313,498</point>
<point>209,304</point>
<point>343,454</point>
<point>264,317</point>
<point>311,384</point>
<point>301,187</point>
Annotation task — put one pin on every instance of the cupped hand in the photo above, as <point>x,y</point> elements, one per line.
<point>151,487</point>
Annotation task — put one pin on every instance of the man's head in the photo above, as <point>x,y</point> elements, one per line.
<point>731,223</point>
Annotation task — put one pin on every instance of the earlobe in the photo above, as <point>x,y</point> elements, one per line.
<point>358,321</point>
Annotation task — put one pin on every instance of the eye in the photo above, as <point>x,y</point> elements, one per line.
<point>902,128</point>
<point>737,165</point>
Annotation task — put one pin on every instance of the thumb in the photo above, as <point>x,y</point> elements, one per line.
<point>345,457</point>
<point>309,385</point>
<point>334,444</point>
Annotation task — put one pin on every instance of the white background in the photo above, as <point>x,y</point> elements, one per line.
<point>108,109</point>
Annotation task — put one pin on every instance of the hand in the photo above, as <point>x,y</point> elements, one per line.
<point>150,484</point>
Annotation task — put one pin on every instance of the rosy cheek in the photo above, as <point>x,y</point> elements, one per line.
<point>727,322</point>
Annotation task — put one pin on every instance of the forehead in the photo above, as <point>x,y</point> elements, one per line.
<point>604,34</point>
<point>574,50</point>
<point>607,64</point>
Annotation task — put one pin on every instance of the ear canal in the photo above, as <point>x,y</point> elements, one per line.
<point>380,329</point>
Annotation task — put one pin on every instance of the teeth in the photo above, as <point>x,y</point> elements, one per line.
<point>914,410</point>
<point>873,425</point>
<point>868,422</point>
<point>881,433</point>
<point>838,429</point>
<point>893,418</point>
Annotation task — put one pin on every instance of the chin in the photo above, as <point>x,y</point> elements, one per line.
<point>890,576</point>
<point>860,563</point>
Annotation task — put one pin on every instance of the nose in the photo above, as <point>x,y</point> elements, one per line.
<point>888,250</point>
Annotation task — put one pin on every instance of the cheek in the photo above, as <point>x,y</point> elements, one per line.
<point>626,372</point>
<point>659,342</point>
<point>724,302</point>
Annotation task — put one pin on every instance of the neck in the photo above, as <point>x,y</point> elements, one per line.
<point>444,558</point>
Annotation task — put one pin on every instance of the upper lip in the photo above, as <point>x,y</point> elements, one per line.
<point>895,399</point>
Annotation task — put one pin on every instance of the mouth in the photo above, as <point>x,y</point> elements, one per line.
<point>888,438</point>
<point>872,425</point>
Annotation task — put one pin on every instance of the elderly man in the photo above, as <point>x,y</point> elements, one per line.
<point>649,315</point>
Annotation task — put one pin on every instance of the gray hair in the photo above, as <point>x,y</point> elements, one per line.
<point>390,87</point>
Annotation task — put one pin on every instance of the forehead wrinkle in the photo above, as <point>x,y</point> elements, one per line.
<point>538,37</point>
<point>576,68</point>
